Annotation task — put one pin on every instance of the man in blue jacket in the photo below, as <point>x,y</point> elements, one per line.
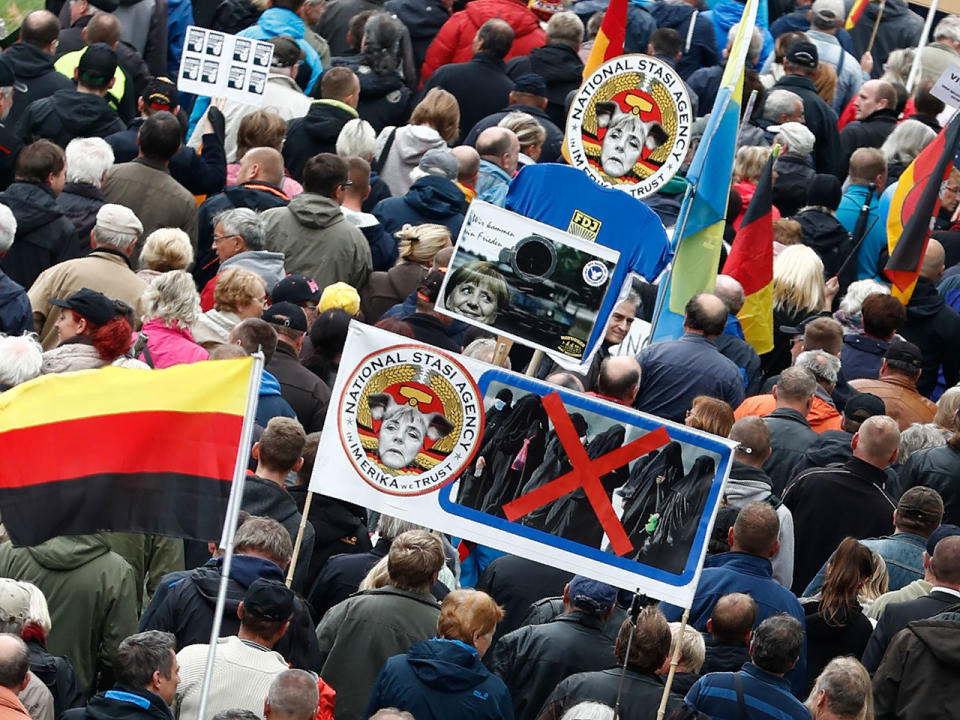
<point>747,569</point>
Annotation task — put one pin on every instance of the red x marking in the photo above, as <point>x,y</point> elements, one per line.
<point>585,473</point>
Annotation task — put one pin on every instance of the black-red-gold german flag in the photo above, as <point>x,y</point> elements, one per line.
<point>149,451</point>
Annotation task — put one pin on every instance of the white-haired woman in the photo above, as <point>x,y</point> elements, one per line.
<point>848,312</point>
<point>358,139</point>
<point>165,249</point>
<point>171,306</point>
<point>88,160</point>
<point>902,147</point>
<point>798,293</point>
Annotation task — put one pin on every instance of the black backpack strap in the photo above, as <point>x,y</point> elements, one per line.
<point>378,161</point>
<point>141,347</point>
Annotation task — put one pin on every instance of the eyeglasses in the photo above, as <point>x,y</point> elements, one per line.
<point>951,188</point>
<point>346,184</point>
<point>218,238</point>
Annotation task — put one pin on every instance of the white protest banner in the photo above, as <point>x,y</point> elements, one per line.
<point>217,64</point>
<point>527,281</point>
<point>525,467</point>
<point>947,87</point>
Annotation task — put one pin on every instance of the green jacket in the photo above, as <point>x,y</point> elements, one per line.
<point>150,556</point>
<point>91,595</point>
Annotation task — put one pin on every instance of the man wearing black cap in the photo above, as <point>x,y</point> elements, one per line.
<point>799,66</point>
<point>307,394</point>
<point>833,446</point>
<point>245,663</point>
<point>203,174</point>
<point>529,95</point>
<point>10,144</point>
<point>83,112</point>
<point>534,659</point>
<point>481,86</point>
<point>31,60</point>
<point>897,385</point>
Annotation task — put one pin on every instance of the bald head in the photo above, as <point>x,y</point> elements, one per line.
<point>756,530</point>
<point>468,160</point>
<point>261,163</point>
<point>730,291</point>
<point>946,562</point>
<point>14,662</point>
<point>877,441</point>
<point>293,695</point>
<point>753,436</point>
<point>619,378</point>
<point>794,389</point>
<point>933,261</point>
<point>40,28</point>
<point>103,28</point>
<point>705,314</point>
<point>500,147</point>
<point>732,619</point>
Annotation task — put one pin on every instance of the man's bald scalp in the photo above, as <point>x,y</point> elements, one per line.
<point>753,434</point>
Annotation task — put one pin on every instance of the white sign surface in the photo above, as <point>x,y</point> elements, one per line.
<point>216,64</point>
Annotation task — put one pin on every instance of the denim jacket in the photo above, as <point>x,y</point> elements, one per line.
<point>903,553</point>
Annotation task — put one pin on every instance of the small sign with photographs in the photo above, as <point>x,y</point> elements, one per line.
<point>217,64</point>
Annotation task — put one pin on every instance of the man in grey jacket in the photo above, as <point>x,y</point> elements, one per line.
<point>358,635</point>
<point>312,232</point>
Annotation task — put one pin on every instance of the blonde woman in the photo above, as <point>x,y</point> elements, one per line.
<point>947,407</point>
<point>435,123</point>
<point>171,307</point>
<point>747,169</point>
<point>165,249</point>
<point>239,294</point>
<point>799,292</point>
<point>531,134</point>
<point>418,246</point>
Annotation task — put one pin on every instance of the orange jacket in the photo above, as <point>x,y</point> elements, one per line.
<point>822,415</point>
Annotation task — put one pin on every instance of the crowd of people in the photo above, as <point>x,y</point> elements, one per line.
<point>145,228</point>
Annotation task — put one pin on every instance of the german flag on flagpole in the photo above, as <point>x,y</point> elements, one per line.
<point>150,451</point>
<point>915,204</point>
<point>609,41</point>
<point>751,263</point>
<point>856,10</point>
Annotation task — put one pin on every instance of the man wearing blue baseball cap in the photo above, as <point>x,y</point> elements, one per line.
<point>534,659</point>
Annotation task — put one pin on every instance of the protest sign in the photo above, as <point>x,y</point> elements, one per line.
<point>528,281</point>
<point>519,465</point>
<point>629,124</point>
<point>217,64</point>
<point>947,87</point>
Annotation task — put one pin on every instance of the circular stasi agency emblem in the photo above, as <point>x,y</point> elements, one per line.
<point>629,124</point>
<point>410,419</point>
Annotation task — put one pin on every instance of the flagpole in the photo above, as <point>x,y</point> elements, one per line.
<point>300,531</point>
<point>674,661</point>
<point>876,25</point>
<point>927,25</point>
<point>230,522</point>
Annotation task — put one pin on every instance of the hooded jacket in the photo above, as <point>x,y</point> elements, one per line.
<point>492,183</point>
<point>384,99</point>
<point>170,344</point>
<point>34,68</point>
<point>187,608</point>
<point>16,316</point>
<point>69,114</point>
<point>862,355</point>
<point>726,14</point>
<point>899,27</point>
<point>268,265</point>
<point>934,327</point>
<point>431,199</point>
<point>794,175</point>
<point>316,132</point>
<point>748,484</point>
<point>700,46</point>
<point>383,246</point>
<point>213,327</point>
<point>318,241</point>
<point>92,597</point>
<point>78,353</point>
<point>44,236</point>
<point>562,69</point>
<point>916,677</point>
<point>830,240</point>
<point>410,142</point>
<point>81,202</point>
<point>454,42</point>
<point>423,20</point>
<point>440,679</point>
<point>123,702</point>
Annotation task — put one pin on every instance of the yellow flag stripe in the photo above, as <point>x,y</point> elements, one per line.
<point>598,53</point>
<point>219,386</point>
<point>756,318</point>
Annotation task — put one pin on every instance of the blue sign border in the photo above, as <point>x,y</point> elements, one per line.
<point>628,417</point>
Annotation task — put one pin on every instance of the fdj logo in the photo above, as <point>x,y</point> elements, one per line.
<point>584,226</point>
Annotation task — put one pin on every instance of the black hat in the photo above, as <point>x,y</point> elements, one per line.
<point>532,84</point>
<point>904,352</point>
<point>286,51</point>
<point>798,329</point>
<point>7,77</point>
<point>296,289</point>
<point>804,54</point>
<point>269,600</point>
<point>430,288</point>
<point>160,94</point>
<point>95,307</point>
<point>98,63</point>
<point>862,406</point>
<point>824,190</point>
<point>286,314</point>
